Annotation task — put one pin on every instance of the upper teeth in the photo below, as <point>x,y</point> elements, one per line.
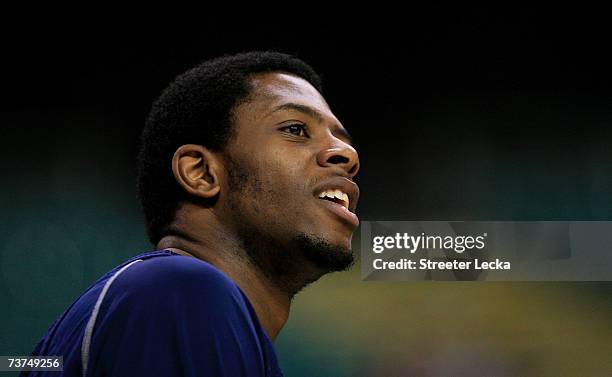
<point>336,194</point>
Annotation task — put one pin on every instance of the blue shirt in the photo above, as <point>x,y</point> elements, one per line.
<point>161,314</point>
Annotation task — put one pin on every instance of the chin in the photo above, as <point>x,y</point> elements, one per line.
<point>326,254</point>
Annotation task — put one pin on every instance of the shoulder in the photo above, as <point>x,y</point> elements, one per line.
<point>160,309</point>
<point>176,271</point>
<point>173,277</point>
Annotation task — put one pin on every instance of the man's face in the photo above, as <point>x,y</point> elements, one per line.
<point>290,166</point>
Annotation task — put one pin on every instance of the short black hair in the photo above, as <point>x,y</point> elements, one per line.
<point>196,108</point>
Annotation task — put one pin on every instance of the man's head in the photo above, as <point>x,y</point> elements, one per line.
<point>251,139</point>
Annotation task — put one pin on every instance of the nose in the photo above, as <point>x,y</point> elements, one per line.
<point>341,155</point>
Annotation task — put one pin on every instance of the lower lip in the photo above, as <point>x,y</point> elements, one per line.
<point>346,215</point>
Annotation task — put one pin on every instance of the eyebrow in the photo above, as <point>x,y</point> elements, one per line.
<point>314,114</point>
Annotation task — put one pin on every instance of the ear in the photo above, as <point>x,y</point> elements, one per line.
<point>196,169</point>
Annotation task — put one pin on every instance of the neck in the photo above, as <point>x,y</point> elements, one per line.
<point>220,247</point>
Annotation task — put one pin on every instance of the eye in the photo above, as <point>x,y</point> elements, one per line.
<point>296,129</point>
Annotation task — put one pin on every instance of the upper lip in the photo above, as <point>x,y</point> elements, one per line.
<point>343,184</point>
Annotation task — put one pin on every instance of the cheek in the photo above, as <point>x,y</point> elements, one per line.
<point>282,190</point>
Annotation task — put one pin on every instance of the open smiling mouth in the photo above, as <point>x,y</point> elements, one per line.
<point>338,202</point>
<point>339,195</point>
<point>335,196</point>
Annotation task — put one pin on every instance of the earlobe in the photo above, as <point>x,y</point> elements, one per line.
<point>195,169</point>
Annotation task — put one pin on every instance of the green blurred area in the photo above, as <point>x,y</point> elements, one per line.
<point>346,327</point>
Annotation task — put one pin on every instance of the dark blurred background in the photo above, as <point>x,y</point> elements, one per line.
<point>458,114</point>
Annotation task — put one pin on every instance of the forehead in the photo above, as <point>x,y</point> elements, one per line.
<point>270,90</point>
